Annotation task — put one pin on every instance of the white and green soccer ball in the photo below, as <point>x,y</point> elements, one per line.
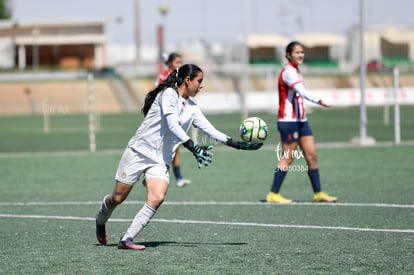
<point>253,130</point>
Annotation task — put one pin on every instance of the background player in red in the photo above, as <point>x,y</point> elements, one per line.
<point>173,62</point>
<point>294,128</point>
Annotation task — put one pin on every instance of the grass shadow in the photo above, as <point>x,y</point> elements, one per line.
<point>185,244</point>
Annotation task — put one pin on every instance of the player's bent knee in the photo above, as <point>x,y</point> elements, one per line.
<point>117,199</point>
<point>284,163</point>
<point>312,160</point>
<point>156,201</point>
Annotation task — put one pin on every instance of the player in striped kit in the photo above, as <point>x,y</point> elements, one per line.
<point>169,113</point>
<point>294,127</point>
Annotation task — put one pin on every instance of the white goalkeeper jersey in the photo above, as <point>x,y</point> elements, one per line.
<point>166,125</point>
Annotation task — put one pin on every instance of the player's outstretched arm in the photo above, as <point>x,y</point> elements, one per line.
<point>242,145</point>
<point>324,103</point>
<point>201,153</point>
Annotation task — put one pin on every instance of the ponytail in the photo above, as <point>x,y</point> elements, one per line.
<point>174,80</point>
<point>151,95</point>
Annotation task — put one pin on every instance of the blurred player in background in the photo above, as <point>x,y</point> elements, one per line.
<point>174,61</point>
<point>169,113</point>
<point>294,128</point>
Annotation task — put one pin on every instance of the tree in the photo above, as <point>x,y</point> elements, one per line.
<point>5,11</point>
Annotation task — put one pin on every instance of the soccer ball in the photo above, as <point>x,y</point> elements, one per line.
<point>254,130</point>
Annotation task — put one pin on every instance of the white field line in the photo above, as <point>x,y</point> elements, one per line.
<point>343,204</point>
<point>218,148</point>
<point>218,223</point>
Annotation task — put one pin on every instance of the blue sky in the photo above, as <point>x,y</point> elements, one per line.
<point>218,20</point>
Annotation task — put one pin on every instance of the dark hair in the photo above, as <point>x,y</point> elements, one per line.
<point>291,46</point>
<point>174,80</point>
<point>172,57</point>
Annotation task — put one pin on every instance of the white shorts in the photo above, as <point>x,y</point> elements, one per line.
<point>133,164</point>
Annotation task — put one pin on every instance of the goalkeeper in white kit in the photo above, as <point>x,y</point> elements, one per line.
<point>169,113</point>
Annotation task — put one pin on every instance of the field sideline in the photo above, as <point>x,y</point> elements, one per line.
<point>297,226</point>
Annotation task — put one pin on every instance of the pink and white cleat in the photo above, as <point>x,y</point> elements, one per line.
<point>129,244</point>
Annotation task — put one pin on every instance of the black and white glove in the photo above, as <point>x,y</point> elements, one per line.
<point>241,145</point>
<point>201,153</point>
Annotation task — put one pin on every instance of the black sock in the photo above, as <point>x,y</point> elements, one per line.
<point>278,180</point>
<point>177,172</point>
<point>315,180</point>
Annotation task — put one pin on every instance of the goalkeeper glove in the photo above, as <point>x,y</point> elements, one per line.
<point>201,153</point>
<point>243,145</point>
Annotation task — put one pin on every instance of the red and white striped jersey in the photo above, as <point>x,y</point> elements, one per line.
<point>292,95</point>
<point>162,76</point>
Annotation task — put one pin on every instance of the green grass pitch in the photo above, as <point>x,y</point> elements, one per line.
<point>51,188</point>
